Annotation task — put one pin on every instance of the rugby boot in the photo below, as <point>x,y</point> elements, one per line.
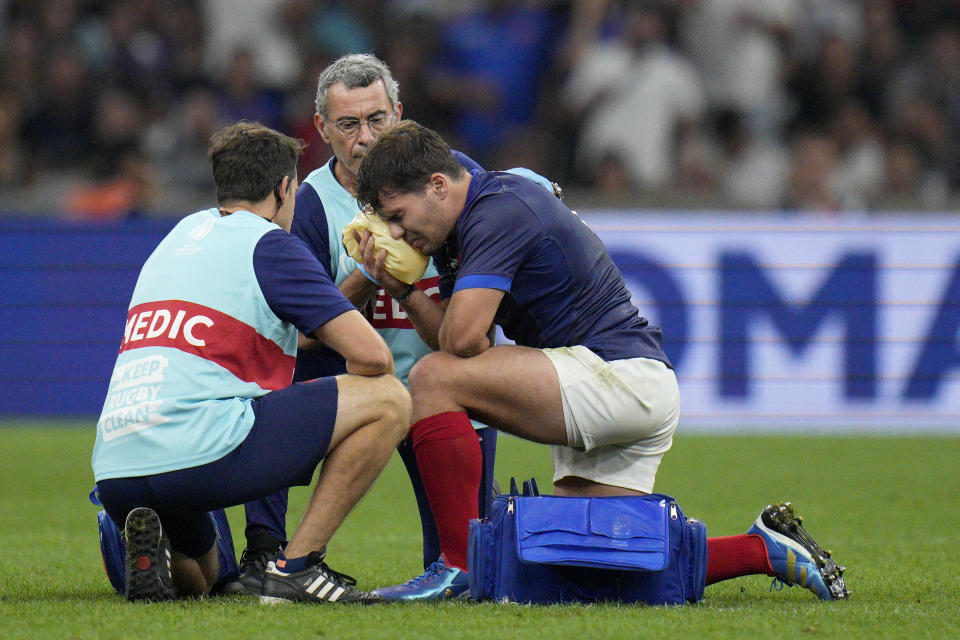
<point>438,582</point>
<point>148,576</point>
<point>795,557</point>
<point>253,563</point>
<point>318,583</point>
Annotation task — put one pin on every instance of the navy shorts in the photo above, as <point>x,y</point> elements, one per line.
<point>290,436</point>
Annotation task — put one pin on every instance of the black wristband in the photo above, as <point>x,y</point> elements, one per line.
<point>406,294</point>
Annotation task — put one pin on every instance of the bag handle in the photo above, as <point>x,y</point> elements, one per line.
<point>530,488</point>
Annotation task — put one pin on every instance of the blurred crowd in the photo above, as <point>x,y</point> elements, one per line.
<point>106,106</point>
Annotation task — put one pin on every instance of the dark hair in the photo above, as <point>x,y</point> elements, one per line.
<point>402,160</point>
<point>250,160</point>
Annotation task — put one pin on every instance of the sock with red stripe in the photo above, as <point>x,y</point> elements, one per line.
<point>735,556</point>
<point>448,455</point>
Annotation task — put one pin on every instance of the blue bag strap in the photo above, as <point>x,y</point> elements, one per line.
<point>226,553</point>
<point>113,550</point>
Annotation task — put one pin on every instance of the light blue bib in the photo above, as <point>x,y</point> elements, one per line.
<point>200,342</point>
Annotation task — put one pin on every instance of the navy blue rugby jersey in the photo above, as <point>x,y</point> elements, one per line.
<point>561,286</point>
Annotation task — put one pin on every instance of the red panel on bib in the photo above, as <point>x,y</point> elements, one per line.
<point>211,335</point>
<point>384,312</point>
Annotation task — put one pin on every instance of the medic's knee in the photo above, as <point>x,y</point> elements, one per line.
<point>396,406</point>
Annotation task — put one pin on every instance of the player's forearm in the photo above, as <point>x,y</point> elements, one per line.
<point>467,322</point>
<point>463,343</point>
<point>425,315</point>
<point>357,288</point>
<point>470,314</point>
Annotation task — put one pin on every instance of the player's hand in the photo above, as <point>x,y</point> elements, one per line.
<point>375,262</point>
<point>401,261</point>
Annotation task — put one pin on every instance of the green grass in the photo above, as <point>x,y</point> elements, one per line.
<point>887,506</point>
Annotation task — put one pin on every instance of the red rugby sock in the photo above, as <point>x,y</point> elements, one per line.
<point>735,556</point>
<point>448,455</point>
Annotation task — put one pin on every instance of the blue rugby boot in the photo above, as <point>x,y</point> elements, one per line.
<point>795,557</point>
<point>438,582</point>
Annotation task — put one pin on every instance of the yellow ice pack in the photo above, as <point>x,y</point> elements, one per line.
<point>404,263</point>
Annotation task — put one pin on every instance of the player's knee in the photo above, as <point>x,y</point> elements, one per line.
<point>431,373</point>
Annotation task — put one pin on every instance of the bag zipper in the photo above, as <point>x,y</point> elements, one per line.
<point>499,559</point>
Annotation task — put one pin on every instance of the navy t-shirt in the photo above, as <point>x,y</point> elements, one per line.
<point>294,284</point>
<point>561,286</point>
<point>310,225</point>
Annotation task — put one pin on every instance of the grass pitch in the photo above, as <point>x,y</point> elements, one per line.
<point>887,506</point>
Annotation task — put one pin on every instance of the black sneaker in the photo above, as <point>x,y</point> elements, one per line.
<point>148,558</point>
<point>317,583</point>
<point>253,562</point>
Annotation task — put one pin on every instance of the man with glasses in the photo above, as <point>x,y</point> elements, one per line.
<point>357,100</point>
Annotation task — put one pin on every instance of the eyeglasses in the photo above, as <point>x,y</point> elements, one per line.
<point>379,122</point>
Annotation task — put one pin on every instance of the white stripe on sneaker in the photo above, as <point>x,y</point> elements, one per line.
<point>789,543</point>
<point>325,590</point>
<point>336,594</point>
<point>316,583</point>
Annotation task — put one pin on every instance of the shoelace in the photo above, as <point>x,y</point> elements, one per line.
<point>253,559</point>
<point>336,576</point>
<point>434,569</point>
<point>779,584</point>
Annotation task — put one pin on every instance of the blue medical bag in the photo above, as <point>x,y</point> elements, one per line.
<point>550,549</point>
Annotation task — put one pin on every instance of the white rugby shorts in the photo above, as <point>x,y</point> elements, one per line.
<point>619,415</point>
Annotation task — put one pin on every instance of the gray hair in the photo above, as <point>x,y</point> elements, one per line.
<point>355,70</point>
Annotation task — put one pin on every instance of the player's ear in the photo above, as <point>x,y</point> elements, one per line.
<point>399,110</point>
<point>439,184</point>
